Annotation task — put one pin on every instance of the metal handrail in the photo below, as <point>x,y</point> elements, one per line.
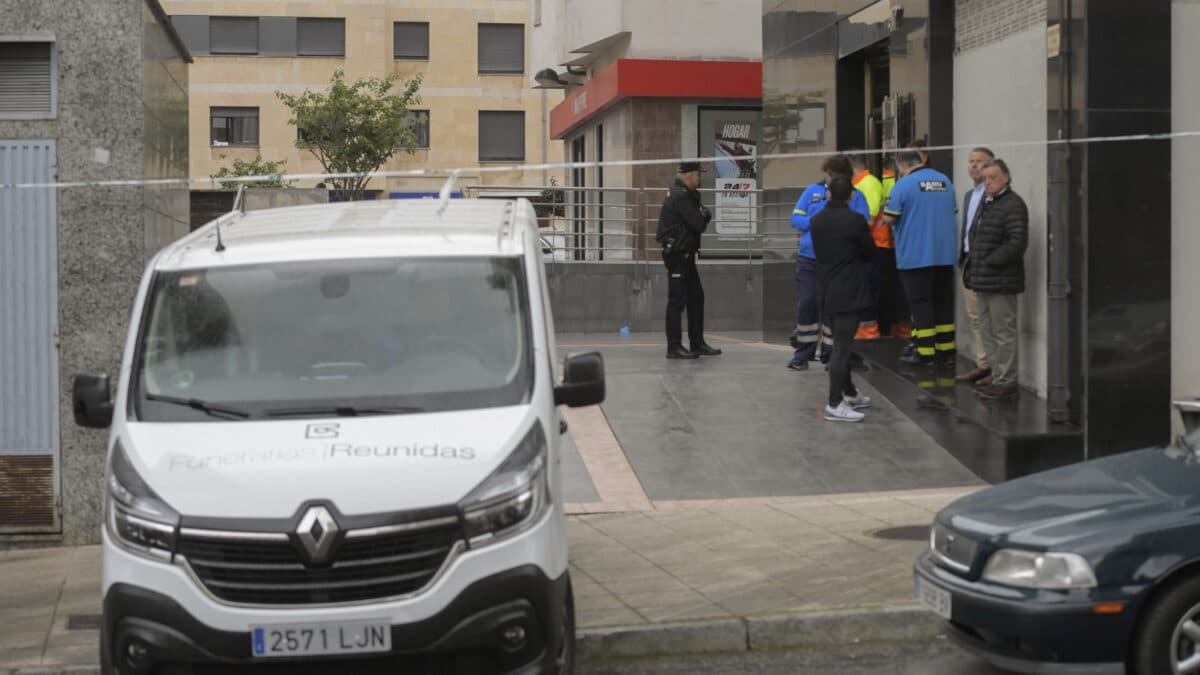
<point>585,229</point>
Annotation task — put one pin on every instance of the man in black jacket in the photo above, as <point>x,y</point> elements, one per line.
<point>995,270</point>
<point>845,249</point>
<point>680,223</point>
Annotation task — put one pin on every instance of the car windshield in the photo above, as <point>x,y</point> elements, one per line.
<point>370,336</point>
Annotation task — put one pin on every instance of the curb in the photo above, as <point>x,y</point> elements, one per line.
<point>798,630</point>
<point>53,670</point>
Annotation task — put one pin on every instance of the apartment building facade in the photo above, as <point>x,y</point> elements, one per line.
<point>647,81</point>
<point>477,106</point>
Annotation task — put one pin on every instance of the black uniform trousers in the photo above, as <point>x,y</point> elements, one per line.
<point>684,292</point>
<point>930,293</point>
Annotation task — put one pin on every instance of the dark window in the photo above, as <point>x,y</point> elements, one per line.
<point>410,41</point>
<point>420,121</point>
<point>26,80</point>
<point>233,34</point>
<point>501,136</point>
<point>193,30</point>
<point>502,48</point>
<point>321,37</point>
<point>234,126</point>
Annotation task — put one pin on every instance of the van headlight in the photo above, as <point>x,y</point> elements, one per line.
<point>137,518</point>
<point>513,497</point>
<point>1031,569</point>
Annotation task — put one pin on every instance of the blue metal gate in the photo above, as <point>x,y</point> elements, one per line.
<point>29,439</point>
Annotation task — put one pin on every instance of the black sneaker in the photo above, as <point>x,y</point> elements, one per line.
<point>798,365</point>
<point>680,353</point>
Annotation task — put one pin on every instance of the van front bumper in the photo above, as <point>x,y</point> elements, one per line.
<point>146,632</point>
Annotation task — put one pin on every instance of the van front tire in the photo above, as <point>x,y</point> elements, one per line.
<point>564,663</point>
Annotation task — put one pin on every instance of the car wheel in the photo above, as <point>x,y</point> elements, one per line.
<point>564,663</point>
<point>1168,639</point>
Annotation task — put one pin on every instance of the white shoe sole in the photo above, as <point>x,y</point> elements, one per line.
<point>834,418</point>
<point>864,406</point>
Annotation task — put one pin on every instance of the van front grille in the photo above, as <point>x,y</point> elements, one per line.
<point>366,565</point>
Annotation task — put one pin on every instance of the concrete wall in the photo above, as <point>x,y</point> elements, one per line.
<point>603,297</point>
<point>1185,165</point>
<point>659,29</point>
<point>120,82</point>
<point>991,110</point>
<point>453,91</point>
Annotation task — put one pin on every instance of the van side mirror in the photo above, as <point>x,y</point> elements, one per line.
<point>583,381</point>
<point>91,400</point>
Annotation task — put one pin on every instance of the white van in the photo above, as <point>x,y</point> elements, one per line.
<point>335,448</point>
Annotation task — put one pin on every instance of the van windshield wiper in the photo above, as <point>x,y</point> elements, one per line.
<point>345,411</point>
<point>223,411</point>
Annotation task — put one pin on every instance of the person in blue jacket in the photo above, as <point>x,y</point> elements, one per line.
<point>921,211</point>
<point>809,329</point>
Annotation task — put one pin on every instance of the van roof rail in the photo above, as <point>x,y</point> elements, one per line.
<point>239,206</point>
<point>447,189</point>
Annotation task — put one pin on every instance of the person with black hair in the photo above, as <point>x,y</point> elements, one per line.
<point>680,223</point>
<point>844,248</point>
<point>808,332</point>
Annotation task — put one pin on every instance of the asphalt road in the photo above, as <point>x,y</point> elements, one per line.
<point>923,659</point>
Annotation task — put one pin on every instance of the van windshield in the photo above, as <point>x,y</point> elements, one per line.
<point>325,338</point>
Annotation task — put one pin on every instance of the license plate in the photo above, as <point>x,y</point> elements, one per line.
<point>314,639</point>
<point>935,599</point>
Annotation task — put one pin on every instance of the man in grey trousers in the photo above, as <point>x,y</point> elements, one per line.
<point>995,270</point>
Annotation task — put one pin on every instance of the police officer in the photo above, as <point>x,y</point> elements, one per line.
<point>921,212</point>
<point>680,223</point>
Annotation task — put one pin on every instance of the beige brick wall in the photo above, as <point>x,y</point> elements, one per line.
<point>453,91</point>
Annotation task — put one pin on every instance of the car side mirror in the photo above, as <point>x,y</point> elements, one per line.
<point>583,381</point>
<point>91,400</point>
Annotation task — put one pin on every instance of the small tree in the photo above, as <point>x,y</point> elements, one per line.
<point>257,167</point>
<point>354,128</point>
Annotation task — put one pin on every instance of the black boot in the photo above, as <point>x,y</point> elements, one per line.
<point>705,349</point>
<point>678,352</point>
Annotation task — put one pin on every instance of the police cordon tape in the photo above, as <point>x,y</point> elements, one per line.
<point>508,168</point>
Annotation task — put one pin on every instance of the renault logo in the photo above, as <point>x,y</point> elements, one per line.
<point>317,531</point>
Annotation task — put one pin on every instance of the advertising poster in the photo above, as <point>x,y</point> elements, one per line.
<point>735,147</point>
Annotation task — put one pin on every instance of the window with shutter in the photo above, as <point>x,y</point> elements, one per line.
<point>501,48</point>
<point>233,34</point>
<point>501,136</point>
<point>27,80</point>
<point>410,41</point>
<point>233,126</point>
<point>321,37</point>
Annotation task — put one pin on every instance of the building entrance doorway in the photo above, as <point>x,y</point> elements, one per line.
<point>863,89</point>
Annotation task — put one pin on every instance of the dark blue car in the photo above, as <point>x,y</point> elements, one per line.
<point>1090,568</point>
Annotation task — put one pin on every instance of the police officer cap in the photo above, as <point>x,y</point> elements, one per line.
<point>686,167</point>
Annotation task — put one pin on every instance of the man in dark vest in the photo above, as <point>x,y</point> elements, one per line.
<point>680,223</point>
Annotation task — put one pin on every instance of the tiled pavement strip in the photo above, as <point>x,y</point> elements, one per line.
<point>649,576</point>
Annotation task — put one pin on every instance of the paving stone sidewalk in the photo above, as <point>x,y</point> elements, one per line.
<point>705,566</point>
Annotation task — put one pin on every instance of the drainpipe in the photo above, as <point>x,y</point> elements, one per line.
<point>545,143</point>
<point>1058,286</point>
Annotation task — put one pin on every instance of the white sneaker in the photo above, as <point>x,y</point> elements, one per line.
<point>843,413</point>
<point>858,402</point>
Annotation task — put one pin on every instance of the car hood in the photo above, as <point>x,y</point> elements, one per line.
<point>1098,498</point>
<point>267,469</point>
